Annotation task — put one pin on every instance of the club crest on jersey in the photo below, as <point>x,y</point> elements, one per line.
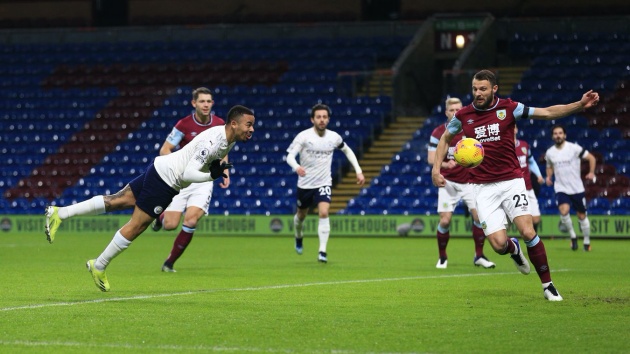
<point>501,114</point>
<point>524,150</point>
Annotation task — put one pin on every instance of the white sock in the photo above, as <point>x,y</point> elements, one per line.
<point>323,231</point>
<point>297,225</point>
<point>585,226</point>
<point>94,206</point>
<point>118,244</point>
<point>566,221</point>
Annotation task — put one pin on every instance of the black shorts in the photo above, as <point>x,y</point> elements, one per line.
<point>311,197</point>
<point>152,194</point>
<point>576,201</point>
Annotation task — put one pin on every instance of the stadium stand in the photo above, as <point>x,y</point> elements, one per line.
<point>86,118</point>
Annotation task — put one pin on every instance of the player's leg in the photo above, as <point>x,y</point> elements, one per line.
<point>124,199</point>
<point>170,218</point>
<point>564,207</point>
<point>195,199</point>
<point>153,194</point>
<point>534,208</point>
<point>304,201</point>
<point>443,236</point>
<point>479,237</point>
<point>579,203</point>
<point>139,221</point>
<point>517,209</point>
<point>493,218</point>
<point>185,236</point>
<point>537,256</point>
<point>448,197</point>
<point>323,230</point>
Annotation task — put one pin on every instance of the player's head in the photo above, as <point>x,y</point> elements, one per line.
<point>202,101</point>
<point>558,134</point>
<point>484,87</point>
<point>452,105</point>
<point>320,116</point>
<point>240,124</point>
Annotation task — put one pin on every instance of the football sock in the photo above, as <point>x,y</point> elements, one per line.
<point>585,227</point>
<point>323,231</point>
<point>181,242</point>
<point>297,225</point>
<point>509,247</point>
<point>93,206</point>
<point>443,236</point>
<point>568,224</point>
<point>118,244</point>
<point>538,256</point>
<point>480,239</point>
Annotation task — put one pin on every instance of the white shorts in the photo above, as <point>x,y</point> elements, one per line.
<point>500,201</point>
<point>450,195</point>
<point>533,203</point>
<point>196,194</point>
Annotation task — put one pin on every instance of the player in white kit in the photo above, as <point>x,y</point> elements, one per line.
<point>564,160</point>
<point>151,192</point>
<point>315,147</point>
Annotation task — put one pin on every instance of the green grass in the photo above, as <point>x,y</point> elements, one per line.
<point>253,294</point>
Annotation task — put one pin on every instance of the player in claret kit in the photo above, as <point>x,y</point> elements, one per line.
<point>529,166</point>
<point>498,184</point>
<point>455,190</point>
<point>194,200</point>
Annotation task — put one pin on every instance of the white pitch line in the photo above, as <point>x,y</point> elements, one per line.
<point>258,288</point>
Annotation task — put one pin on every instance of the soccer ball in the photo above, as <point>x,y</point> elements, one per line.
<point>468,152</point>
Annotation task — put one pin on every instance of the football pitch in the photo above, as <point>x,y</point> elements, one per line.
<point>255,294</point>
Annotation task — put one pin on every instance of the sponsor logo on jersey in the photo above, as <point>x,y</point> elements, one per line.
<point>501,114</point>
<point>470,121</point>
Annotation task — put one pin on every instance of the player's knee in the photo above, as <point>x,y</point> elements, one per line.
<point>169,224</point>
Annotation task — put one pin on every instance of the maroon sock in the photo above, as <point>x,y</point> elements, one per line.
<point>161,218</point>
<point>442,239</point>
<point>509,247</point>
<point>179,246</point>
<point>480,240</point>
<point>538,256</point>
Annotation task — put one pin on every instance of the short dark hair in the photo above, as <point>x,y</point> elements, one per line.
<point>198,90</point>
<point>558,126</point>
<point>318,107</point>
<point>238,111</point>
<point>486,75</point>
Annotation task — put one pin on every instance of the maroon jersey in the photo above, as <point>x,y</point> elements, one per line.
<point>523,153</point>
<point>458,173</point>
<point>188,127</point>
<point>494,128</point>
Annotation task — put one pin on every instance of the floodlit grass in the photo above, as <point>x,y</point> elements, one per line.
<point>253,294</point>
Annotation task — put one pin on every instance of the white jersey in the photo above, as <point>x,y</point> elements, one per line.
<point>566,164</point>
<point>316,154</point>
<point>207,146</point>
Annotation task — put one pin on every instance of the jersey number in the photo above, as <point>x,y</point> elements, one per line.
<point>324,190</point>
<point>520,202</point>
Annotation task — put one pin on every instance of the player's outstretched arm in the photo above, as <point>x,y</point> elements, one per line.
<point>589,99</point>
